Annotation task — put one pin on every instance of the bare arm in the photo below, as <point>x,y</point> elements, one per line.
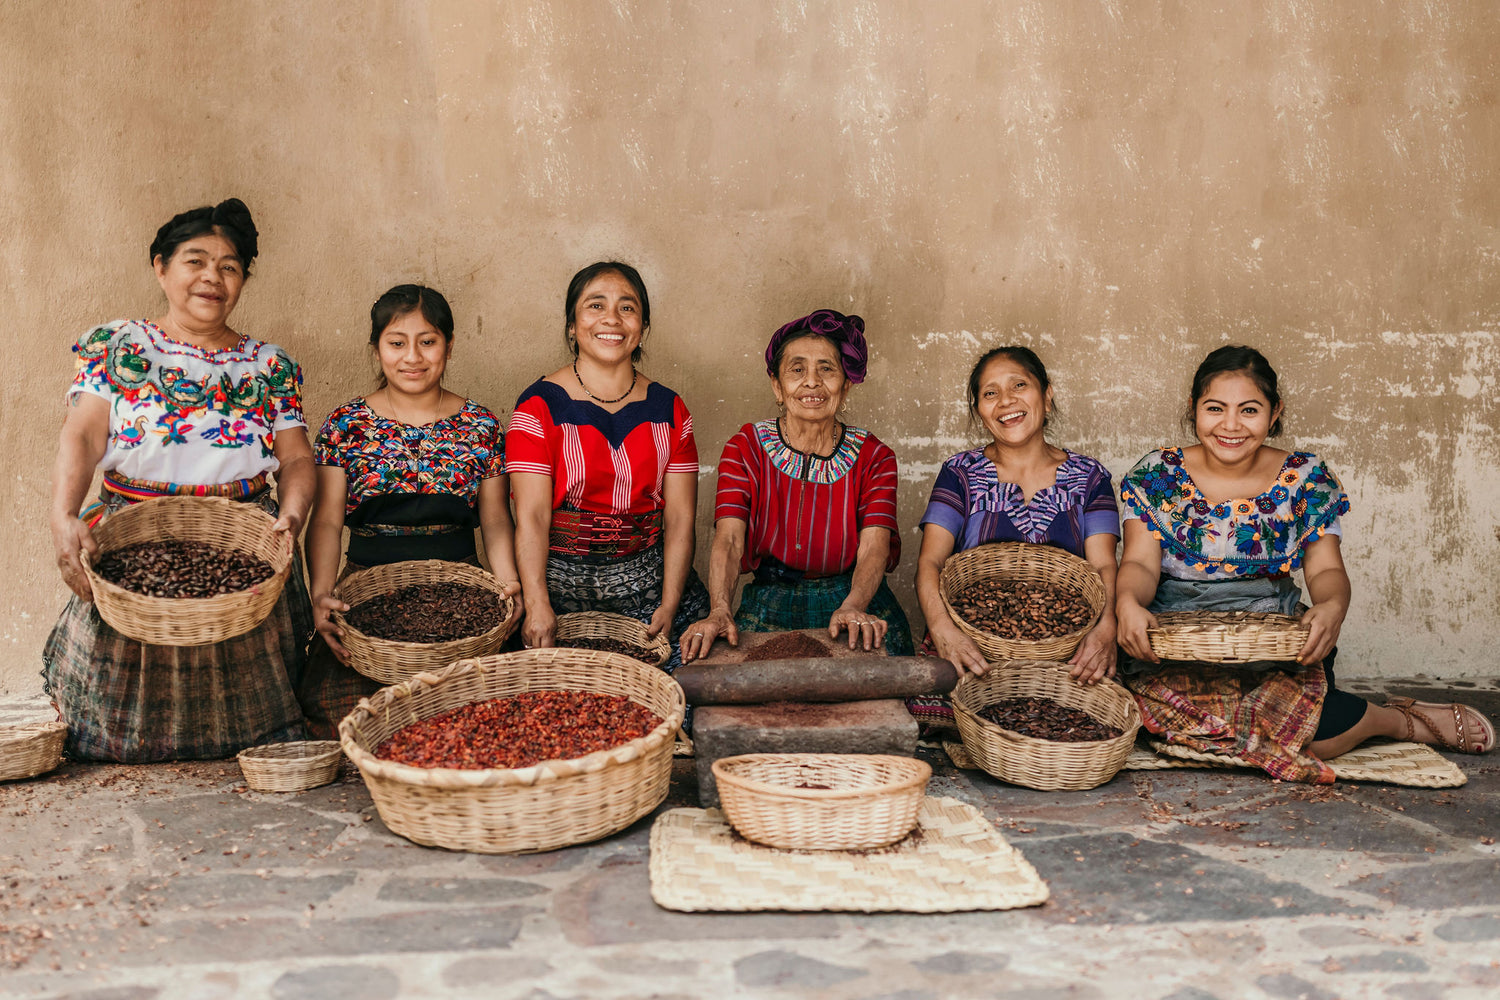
<point>296,479</point>
<point>80,447</point>
<point>499,534</point>
<point>533,494</point>
<point>952,645</point>
<point>325,540</point>
<point>730,534</point>
<point>1328,587</point>
<point>679,525</point>
<point>1135,588</point>
<point>869,571</point>
<point>1095,658</point>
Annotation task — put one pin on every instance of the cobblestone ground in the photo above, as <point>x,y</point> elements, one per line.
<point>134,883</point>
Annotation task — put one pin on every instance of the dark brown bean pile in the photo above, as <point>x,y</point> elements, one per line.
<point>429,612</point>
<point>182,569</point>
<point>788,646</point>
<point>1042,719</point>
<point>521,730</point>
<point>604,644</point>
<point>1020,610</point>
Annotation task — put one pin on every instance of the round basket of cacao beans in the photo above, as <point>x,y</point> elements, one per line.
<point>1054,734</point>
<point>518,752</point>
<point>1019,601</point>
<point>187,571</point>
<point>406,617</point>
<point>611,633</point>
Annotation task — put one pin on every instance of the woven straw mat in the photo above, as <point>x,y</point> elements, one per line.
<point>954,860</point>
<point>1411,764</point>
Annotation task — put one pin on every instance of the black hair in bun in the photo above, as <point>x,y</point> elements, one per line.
<point>229,219</point>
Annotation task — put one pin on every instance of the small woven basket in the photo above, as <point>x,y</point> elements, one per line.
<point>1227,636</point>
<point>821,802</point>
<point>1018,562</point>
<point>515,810</point>
<point>28,749</point>
<point>190,621</point>
<point>1048,765</point>
<point>390,661</point>
<point>291,767</point>
<point>602,625</point>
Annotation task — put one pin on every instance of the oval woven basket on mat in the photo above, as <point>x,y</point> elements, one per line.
<point>821,802</point>
<point>190,621</point>
<point>1044,764</point>
<point>1227,636</point>
<point>585,625</point>
<point>539,808</point>
<point>390,661</point>
<point>28,749</point>
<point>291,767</point>
<point>1021,562</point>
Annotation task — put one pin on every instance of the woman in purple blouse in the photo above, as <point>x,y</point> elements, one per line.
<point>1017,488</point>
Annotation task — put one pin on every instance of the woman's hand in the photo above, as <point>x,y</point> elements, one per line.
<point>324,605</point>
<point>1131,622</point>
<point>661,621</point>
<point>698,638</point>
<point>1324,622</point>
<point>70,536</point>
<point>512,590</point>
<point>289,523</point>
<point>958,649</point>
<point>539,630</point>
<point>864,629</point>
<point>1095,658</point>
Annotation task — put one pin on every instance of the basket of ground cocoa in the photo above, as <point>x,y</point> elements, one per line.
<point>821,802</point>
<point>1227,636</point>
<point>406,617</point>
<point>1029,723</point>
<point>187,571</point>
<point>518,752</point>
<point>609,633</point>
<point>1022,601</point>
<point>28,749</point>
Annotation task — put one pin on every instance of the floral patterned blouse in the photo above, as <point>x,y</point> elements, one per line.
<point>183,414</point>
<point>1263,535</point>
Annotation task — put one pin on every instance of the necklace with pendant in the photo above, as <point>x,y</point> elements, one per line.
<point>634,377</point>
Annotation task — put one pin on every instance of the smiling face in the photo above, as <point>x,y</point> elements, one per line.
<point>413,354</point>
<point>1011,402</point>
<point>607,324</point>
<point>202,282</point>
<point>1233,418</point>
<point>811,383</point>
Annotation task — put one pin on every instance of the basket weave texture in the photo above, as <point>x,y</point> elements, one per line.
<point>1048,765</point>
<point>603,625</point>
<point>1227,636</point>
<point>867,800</point>
<point>291,767</point>
<point>190,621</point>
<point>392,662</point>
<point>1018,562</point>
<point>514,810</point>
<point>30,748</point>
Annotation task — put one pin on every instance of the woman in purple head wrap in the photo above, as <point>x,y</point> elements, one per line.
<point>807,504</point>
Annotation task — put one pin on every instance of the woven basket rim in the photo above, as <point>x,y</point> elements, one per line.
<point>921,774</point>
<point>12,732</point>
<point>657,643</point>
<point>1237,622</point>
<point>535,774</point>
<point>341,620</point>
<point>265,753</point>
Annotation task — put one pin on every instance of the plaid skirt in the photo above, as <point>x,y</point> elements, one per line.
<point>630,586</point>
<point>135,703</point>
<point>785,607</point>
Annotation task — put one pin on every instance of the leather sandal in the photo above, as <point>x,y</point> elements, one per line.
<point>1462,715</point>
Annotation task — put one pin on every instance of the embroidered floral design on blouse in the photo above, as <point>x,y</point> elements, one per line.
<point>801,465</point>
<point>1263,535</point>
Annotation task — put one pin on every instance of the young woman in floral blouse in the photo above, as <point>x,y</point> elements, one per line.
<point>1221,525</point>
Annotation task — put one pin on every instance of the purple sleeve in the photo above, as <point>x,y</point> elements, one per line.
<point>1101,515</point>
<point>947,508</point>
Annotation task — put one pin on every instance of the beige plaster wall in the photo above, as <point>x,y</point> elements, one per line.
<point>1121,185</point>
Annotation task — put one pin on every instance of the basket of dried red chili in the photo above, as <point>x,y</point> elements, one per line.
<point>518,752</point>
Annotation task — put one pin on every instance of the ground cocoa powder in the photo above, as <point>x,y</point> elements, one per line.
<point>788,646</point>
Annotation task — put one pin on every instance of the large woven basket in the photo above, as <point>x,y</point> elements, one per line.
<point>1227,636</point>
<point>821,802</point>
<point>190,621</point>
<point>392,662</point>
<point>28,749</point>
<point>1044,764</point>
<point>1022,562</point>
<point>500,811</point>
<point>291,767</point>
<point>602,625</point>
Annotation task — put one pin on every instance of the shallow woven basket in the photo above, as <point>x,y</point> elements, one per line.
<point>190,621</point>
<point>1227,636</point>
<point>512,810</point>
<point>28,749</point>
<point>1022,562</point>
<point>866,800</point>
<point>602,625</point>
<point>392,662</point>
<point>1044,764</point>
<point>291,767</point>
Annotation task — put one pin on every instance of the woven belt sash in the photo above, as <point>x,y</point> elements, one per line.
<point>584,533</point>
<point>136,490</point>
<point>403,530</point>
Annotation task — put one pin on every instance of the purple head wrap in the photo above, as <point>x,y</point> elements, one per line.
<point>847,333</point>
